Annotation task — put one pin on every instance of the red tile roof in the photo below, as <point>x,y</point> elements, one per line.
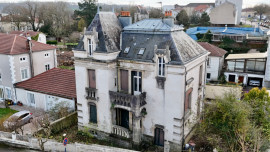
<point>56,82</point>
<point>12,44</point>
<point>214,50</point>
<point>23,33</point>
<point>201,8</point>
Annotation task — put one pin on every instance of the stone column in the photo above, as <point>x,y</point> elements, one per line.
<point>136,122</point>
<point>267,69</point>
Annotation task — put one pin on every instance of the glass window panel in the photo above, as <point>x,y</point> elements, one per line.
<point>260,66</point>
<point>239,66</point>
<point>231,65</point>
<point>250,66</point>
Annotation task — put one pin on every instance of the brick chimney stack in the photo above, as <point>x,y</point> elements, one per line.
<point>125,18</point>
<point>168,13</point>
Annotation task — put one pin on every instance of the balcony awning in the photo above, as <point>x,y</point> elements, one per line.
<point>247,56</point>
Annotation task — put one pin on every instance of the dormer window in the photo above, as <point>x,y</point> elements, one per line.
<point>126,50</point>
<point>90,47</point>
<point>161,66</point>
<point>141,51</point>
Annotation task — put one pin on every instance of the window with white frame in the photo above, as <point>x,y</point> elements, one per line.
<point>161,66</point>
<point>8,93</point>
<point>47,55</point>
<point>136,82</point>
<point>22,59</point>
<point>90,47</point>
<point>31,99</point>
<point>24,73</point>
<point>47,67</point>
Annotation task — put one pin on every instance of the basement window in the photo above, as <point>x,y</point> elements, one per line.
<point>126,50</point>
<point>141,51</point>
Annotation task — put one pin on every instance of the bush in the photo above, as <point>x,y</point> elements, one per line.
<point>52,42</point>
<point>64,123</point>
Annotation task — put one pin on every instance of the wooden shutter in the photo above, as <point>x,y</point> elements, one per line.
<point>92,79</point>
<point>124,80</point>
<point>159,137</point>
<point>93,113</point>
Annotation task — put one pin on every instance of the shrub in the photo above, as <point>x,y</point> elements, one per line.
<point>52,42</point>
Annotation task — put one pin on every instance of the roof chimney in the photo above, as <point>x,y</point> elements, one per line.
<point>125,18</point>
<point>168,13</point>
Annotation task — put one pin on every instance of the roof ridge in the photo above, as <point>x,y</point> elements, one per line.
<point>15,37</point>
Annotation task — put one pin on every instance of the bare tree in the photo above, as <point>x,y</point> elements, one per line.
<point>16,14</point>
<point>261,9</point>
<point>43,135</point>
<point>35,12</point>
<point>13,125</point>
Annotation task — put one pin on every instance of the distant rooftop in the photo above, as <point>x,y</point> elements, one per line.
<point>256,32</point>
<point>153,25</point>
<point>214,50</point>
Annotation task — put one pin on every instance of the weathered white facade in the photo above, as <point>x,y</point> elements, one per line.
<point>224,14</point>
<point>136,84</point>
<point>42,101</point>
<point>214,67</point>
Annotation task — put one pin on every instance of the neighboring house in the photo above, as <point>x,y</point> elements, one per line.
<point>238,5</point>
<point>144,82</point>
<point>246,68</point>
<point>201,9</point>
<point>224,14</point>
<point>215,61</point>
<point>41,36</point>
<point>248,13</point>
<point>18,63</point>
<point>47,89</point>
<point>238,34</point>
<point>141,14</point>
<point>190,8</point>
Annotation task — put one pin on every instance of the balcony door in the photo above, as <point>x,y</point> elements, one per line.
<point>136,82</point>
<point>122,117</point>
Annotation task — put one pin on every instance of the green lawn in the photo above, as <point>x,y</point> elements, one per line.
<point>4,114</point>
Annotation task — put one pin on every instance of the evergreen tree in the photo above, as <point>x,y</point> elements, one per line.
<point>205,19</point>
<point>182,18</point>
<point>87,10</point>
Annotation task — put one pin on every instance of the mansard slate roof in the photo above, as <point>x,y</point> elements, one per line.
<point>183,48</point>
<point>56,82</point>
<point>109,30</point>
<point>12,44</point>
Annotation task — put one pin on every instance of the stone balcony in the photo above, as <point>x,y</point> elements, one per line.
<point>121,131</point>
<point>91,93</point>
<point>127,100</point>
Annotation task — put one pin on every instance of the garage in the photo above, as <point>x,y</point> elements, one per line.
<point>255,82</point>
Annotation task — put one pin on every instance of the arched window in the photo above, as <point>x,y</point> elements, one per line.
<point>161,66</point>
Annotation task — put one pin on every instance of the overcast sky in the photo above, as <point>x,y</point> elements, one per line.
<point>246,3</point>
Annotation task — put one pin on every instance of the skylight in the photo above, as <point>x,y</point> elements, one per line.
<point>126,50</point>
<point>141,51</point>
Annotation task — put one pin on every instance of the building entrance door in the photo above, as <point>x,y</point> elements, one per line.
<point>240,79</point>
<point>122,118</point>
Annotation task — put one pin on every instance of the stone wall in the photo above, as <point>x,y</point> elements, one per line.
<point>28,142</point>
<point>218,91</point>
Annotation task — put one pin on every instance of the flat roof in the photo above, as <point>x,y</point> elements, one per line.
<point>247,56</point>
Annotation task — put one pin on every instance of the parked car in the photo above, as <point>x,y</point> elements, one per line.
<point>254,83</point>
<point>18,119</point>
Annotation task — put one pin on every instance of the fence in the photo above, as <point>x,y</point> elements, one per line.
<point>29,142</point>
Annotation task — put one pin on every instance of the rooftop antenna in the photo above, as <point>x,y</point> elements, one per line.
<point>98,8</point>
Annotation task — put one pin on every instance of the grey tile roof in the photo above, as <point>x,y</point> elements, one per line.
<point>151,25</point>
<point>183,49</point>
<point>108,28</point>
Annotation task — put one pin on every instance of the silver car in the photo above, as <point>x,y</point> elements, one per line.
<point>18,119</point>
